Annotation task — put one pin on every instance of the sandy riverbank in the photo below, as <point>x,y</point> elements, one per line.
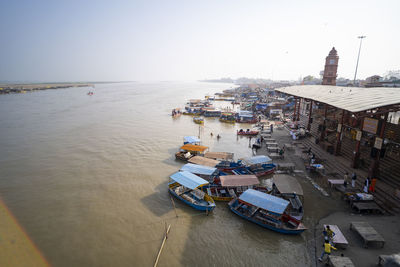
<point>23,88</point>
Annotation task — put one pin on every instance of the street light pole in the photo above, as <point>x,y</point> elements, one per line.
<point>359,50</point>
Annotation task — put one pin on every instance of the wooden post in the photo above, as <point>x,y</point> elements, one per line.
<point>309,117</point>
<point>374,167</point>
<point>162,245</point>
<point>298,111</point>
<point>294,111</point>
<point>323,130</point>
<point>356,152</point>
<point>339,135</point>
<point>173,203</point>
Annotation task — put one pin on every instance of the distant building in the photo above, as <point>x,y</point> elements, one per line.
<point>331,65</point>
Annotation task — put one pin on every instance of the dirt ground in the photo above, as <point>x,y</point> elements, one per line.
<point>323,205</point>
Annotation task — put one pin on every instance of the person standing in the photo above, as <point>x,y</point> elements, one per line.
<point>327,250</point>
<point>353,179</point>
<point>366,185</point>
<point>346,179</point>
<point>372,186</point>
<point>272,128</point>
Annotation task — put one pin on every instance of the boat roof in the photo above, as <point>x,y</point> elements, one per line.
<point>257,160</point>
<point>191,147</point>
<point>191,139</point>
<point>287,184</point>
<point>198,169</point>
<point>264,201</point>
<point>219,155</point>
<point>188,179</point>
<point>239,180</point>
<point>204,161</point>
<point>246,114</point>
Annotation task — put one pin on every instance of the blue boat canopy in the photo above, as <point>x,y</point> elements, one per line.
<point>264,201</point>
<point>190,140</point>
<point>188,179</point>
<point>258,160</point>
<point>199,169</point>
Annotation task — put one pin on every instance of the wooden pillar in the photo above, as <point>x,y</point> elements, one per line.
<point>309,117</point>
<point>339,135</point>
<point>373,171</point>
<point>323,130</point>
<point>298,111</point>
<point>356,153</point>
<point>294,111</point>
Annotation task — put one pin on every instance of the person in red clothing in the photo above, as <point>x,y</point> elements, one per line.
<point>372,186</point>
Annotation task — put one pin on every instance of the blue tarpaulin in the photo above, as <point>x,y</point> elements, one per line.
<point>199,169</point>
<point>190,140</point>
<point>264,201</point>
<point>258,160</point>
<point>261,106</point>
<point>188,179</point>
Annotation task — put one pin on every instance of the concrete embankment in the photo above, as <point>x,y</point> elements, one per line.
<point>23,88</point>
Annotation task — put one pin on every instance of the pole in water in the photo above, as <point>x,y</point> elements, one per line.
<point>162,245</point>
<point>173,203</point>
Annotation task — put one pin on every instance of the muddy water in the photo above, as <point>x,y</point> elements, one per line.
<point>86,176</point>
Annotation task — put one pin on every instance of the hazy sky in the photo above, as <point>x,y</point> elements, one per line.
<point>190,40</point>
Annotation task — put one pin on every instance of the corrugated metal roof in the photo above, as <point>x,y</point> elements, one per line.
<point>287,184</point>
<point>353,99</point>
<point>264,201</point>
<point>199,169</point>
<point>239,180</point>
<point>219,155</point>
<point>204,161</point>
<point>258,160</point>
<point>188,179</point>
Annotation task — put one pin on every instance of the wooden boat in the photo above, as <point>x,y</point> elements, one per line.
<point>189,150</point>
<point>287,187</point>
<point>185,187</point>
<point>205,172</point>
<point>231,186</point>
<point>259,165</point>
<point>228,117</point>
<point>198,120</point>
<point>267,211</point>
<point>248,132</point>
<point>229,166</point>
<point>176,112</point>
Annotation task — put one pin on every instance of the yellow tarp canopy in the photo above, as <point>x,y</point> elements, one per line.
<point>197,148</point>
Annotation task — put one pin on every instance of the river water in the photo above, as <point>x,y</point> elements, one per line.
<point>86,177</point>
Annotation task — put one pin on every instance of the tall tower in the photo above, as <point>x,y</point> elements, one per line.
<point>331,65</point>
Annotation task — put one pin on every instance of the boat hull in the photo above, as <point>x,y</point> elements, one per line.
<point>197,207</point>
<point>270,227</point>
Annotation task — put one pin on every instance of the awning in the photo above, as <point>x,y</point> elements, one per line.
<point>239,180</point>
<point>204,161</point>
<point>199,169</point>
<point>287,184</point>
<point>219,155</point>
<point>257,160</point>
<point>188,179</point>
<point>191,140</point>
<point>264,201</point>
<point>353,99</point>
<point>190,147</point>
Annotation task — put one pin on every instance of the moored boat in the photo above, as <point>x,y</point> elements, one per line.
<point>287,187</point>
<point>198,120</point>
<point>231,186</point>
<point>189,150</point>
<point>248,132</point>
<point>267,211</point>
<point>205,172</point>
<point>228,117</point>
<point>185,186</point>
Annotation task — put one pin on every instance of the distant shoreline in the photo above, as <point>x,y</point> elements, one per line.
<point>30,87</point>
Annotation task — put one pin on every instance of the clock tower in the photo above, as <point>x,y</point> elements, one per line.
<point>331,65</point>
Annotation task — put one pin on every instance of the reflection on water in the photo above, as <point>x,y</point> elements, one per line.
<point>86,176</point>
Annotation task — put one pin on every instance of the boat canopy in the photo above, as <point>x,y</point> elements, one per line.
<point>219,155</point>
<point>239,180</point>
<point>258,160</point>
<point>199,169</point>
<point>264,201</point>
<point>191,140</point>
<point>245,114</point>
<point>197,148</point>
<point>287,184</point>
<point>204,161</point>
<point>188,179</point>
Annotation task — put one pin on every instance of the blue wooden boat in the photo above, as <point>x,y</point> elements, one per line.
<point>185,186</point>
<point>267,211</point>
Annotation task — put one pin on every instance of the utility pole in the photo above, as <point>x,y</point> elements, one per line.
<point>359,50</point>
